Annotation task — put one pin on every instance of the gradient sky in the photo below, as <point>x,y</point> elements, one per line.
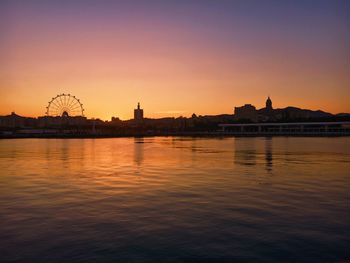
<point>175,57</point>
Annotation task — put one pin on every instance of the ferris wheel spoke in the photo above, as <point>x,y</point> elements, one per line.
<point>77,106</point>
<point>72,102</point>
<point>60,97</point>
<point>58,100</point>
<point>57,106</point>
<point>69,100</point>
<point>53,109</point>
<point>65,100</point>
<point>73,109</point>
<point>76,102</point>
<point>78,109</point>
<point>56,110</point>
<point>53,103</point>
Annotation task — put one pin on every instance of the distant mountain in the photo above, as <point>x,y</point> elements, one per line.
<point>295,112</point>
<point>343,115</point>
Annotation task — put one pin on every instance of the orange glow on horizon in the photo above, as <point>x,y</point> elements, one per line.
<point>170,68</point>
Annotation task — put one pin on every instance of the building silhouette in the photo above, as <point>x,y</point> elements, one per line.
<point>247,112</point>
<point>269,104</point>
<point>15,121</point>
<point>138,113</point>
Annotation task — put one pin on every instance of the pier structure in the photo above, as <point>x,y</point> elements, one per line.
<point>294,128</point>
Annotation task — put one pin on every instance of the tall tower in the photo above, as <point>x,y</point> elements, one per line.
<point>269,103</point>
<point>138,113</point>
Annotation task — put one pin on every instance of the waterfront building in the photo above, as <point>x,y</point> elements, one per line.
<point>247,112</point>
<point>15,121</point>
<point>287,128</point>
<point>58,121</point>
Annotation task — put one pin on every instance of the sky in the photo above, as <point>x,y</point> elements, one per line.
<point>174,57</point>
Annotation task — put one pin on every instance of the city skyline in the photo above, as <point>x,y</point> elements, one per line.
<point>57,107</point>
<point>175,58</point>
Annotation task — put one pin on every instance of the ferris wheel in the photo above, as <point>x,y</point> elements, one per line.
<point>65,105</point>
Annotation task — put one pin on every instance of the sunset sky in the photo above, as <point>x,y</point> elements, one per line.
<point>174,57</point>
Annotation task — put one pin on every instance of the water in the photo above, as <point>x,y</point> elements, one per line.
<point>173,199</point>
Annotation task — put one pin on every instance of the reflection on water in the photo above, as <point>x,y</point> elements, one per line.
<point>138,150</point>
<point>268,154</point>
<point>175,199</point>
<point>245,151</point>
<point>249,151</point>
